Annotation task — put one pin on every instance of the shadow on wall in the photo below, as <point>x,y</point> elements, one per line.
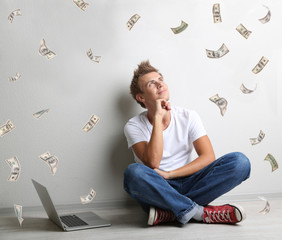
<point>119,154</point>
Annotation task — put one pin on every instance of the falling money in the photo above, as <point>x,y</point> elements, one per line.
<point>44,51</point>
<point>15,78</point>
<point>261,64</point>
<point>81,4</point>
<point>89,197</point>
<point>6,128</point>
<point>52,161</point>
<point>15,169</point>
<point>220,102</point>
<point>246,90</point>
<point>130,23</point>
<point>14,13</point>
<point>273,162</point>
<point>216,13</point>
<point>267,206</point>
<point>181,28</point>
<point>257,140</point>
<point>91,123</point>
<point>267,16</point>
<point>18,210</point>
<point>40,113</point>
<point>219,53</point>
<point>243,31</point>
<point>92,57</point>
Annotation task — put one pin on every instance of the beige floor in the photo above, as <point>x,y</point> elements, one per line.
<point>130,223</point>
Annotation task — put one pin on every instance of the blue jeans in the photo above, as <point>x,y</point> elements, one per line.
<point>183,195</point>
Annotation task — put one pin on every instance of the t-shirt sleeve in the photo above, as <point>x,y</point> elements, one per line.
<point>133,133</point>
<point>196,127</point>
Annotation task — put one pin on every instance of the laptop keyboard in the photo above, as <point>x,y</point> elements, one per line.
<point>72,221</point>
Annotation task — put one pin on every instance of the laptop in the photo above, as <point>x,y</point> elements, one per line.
<point>69,222</point>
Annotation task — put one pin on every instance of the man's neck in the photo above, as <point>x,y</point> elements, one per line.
<point>165,121</point>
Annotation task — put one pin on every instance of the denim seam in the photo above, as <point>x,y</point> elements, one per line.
<point>187,211</point>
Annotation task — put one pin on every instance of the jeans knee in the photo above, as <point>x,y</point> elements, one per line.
<point>242,164</point>
<point>133,174</point>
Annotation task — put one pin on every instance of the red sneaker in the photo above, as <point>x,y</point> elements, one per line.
<point>224,214</point>
<point>158,215</point>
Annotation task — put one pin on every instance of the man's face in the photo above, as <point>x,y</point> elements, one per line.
<point>153,87</point>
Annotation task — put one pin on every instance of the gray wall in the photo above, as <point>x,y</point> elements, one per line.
<point>74,88</point>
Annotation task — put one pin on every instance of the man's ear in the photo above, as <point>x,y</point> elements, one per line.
<point>140,98</point>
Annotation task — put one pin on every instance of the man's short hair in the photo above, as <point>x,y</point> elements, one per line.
<point>143,68</point>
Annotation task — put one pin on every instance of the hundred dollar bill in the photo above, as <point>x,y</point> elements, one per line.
<point>91,123</point>
<point>40,113</point>
<point>273,162</point>
<point>246,90</point>
<point>220,102</point>
<point>6,128</point>
<point>92,57</point>
<point>257,140</point>
<point>15,169</point>
<point>180,28</point>
<point>267,16</point>
<point>19,211</point>
<point>51,160</point>
<point>219,53</point>
<point>89,197</point>
<point>261,64</point>
<point>266,209</point>
<point>16,12</point>
<point>81,4</point>
<point>15,78</point>
<point>216,13</point>
<point>130,23</point>
<point>44,51</point>
<point>243,31</point>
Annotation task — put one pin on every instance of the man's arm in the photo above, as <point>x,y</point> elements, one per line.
<point>150,153</point>
<point>206,156</point>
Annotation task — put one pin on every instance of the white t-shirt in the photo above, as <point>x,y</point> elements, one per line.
<point>185,127</point>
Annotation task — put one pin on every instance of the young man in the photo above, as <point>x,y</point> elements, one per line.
<point>164,179</point>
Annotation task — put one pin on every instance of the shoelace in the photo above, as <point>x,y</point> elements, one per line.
<point>165,216</point>
<point>216,216</point>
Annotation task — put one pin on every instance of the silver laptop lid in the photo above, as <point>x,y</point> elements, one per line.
<point>47,203</point>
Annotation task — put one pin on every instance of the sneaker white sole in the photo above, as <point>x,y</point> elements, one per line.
<point>239,212</point>
<point>152,216</point>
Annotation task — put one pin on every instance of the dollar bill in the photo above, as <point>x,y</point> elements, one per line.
<point>243,31</point>
<point>258,139</point>
<point>216,13</point>
<point>267,16</point>
<point>40,113</point>
<point>220,102</point>
<point>219,53</point>
<point>44,51</point>
<point>266,209</point>
<point>19,212</point>
<point>92,57</point>
<point>131,22</point>
<point>272,160</point>
<point>91,123</point>
<point>51,160</point>
<point>16,12</point>
<point>180,28</point>
<point>15,78</point>
<point>15,169</point>
<point>6,128</point>
<point>81,4</point>
<point>261,64</point>
<point>246,90</point>
<point>89,197</point>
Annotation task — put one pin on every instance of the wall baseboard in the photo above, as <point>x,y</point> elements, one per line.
<point>128,202</point>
